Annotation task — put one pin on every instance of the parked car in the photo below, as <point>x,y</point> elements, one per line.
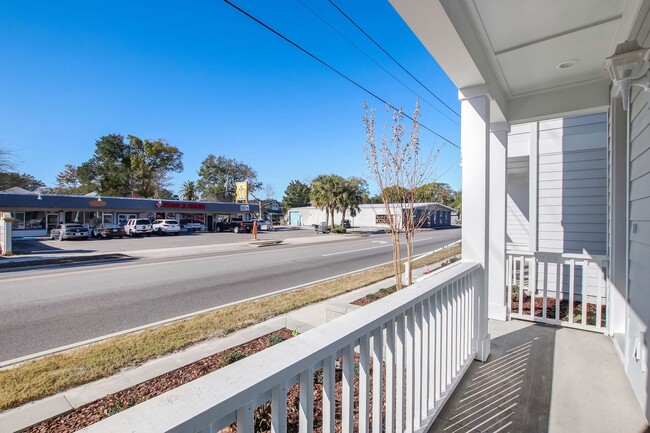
<point>69,231</point>
<point>140,226</point>
<point>263,225</point>
<point>192,226</point>
<point>106,231</point>
<point>234,225</point>
<point>166,227</point>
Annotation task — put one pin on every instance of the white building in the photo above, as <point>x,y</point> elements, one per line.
<point>370,215</point>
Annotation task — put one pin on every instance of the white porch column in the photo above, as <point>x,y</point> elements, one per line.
<point>497,172</point>
<point>475,150</point>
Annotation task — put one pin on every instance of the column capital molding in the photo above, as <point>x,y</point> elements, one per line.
<point>473,92</point>
<point>500,126</point>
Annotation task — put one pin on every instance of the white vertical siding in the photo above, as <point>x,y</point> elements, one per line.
<point>572,195</point>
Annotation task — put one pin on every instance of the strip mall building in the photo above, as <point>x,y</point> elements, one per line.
<point>36,214</point>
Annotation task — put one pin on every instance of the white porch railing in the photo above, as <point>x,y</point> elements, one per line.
<point>560,289</point>
<point>416,344</point>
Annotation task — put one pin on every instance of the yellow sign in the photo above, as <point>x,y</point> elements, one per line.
<point>242,191</point>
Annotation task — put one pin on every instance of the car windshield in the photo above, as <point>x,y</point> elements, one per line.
<point>142,222</point>
<point>111,226</point>
<point>74,226</point>
<point>170,222</point>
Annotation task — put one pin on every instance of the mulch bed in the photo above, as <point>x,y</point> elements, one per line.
<point>114,403</point>
<point>564,309</point>
<point>372,297</point>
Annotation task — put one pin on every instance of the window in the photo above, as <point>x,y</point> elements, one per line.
<point>381,219</point>
<point>28,220</point>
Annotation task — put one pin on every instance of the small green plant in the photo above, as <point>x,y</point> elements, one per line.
<point>318,376</point>
<point>275,339</point>
<point>295,332</point>
<point>262,418</point>
<point>371,297</point>
<point>232,356</point>
<point>118,406</point>
<point>384,291</point>
<point>515,293</point>
<point>356,368</point>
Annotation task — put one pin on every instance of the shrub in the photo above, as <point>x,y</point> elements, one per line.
<point>370,297</point>
<point>232,357</point>
<point>339,229</point>
<point>275,339</point>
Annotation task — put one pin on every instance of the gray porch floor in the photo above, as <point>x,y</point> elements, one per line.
<point>544,379</point>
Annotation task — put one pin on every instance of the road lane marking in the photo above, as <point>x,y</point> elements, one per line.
<point>372,248</point>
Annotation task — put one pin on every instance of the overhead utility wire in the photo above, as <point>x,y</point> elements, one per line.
<point>336,71</point>
<point>392,58</point>
<point>376,62</point>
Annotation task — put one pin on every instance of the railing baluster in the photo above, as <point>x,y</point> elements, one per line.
<point>521,285</point>
<point>399,381</point>
<point>572,278</point>
<point>377,379</point>
<point>329,396</point>
<point>245,418</point>
<point>532,283</point>
<point>558,284</point>
<point>279,408</point>
<point>410,369</point>
<point>364,381</point>
<point>426,358</point>
<point>509,276</point>
<point>444,366</point>
<point>306,405</point>
<point>453,328</point>
<point>585,284</point>
<point>390,376</point>
<point>599,301</point>
<point>545,287</point>
<point>347,400</point>
<point>437,372</point>
<point>457,313</point>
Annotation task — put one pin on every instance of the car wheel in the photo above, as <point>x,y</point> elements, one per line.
<point>148,235</point>
<point>51,235</point>
<point>159,231</point>
<point>121,237</point>
<point>218,229</point>
<point>235,230</point>
<point>60,236</point>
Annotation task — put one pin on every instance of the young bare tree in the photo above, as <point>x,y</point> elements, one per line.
<point>398,170</point>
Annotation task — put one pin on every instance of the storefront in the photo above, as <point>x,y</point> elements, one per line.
<point>35,214</point>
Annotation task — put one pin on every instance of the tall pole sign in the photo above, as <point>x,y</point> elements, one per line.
<point>241,193</point>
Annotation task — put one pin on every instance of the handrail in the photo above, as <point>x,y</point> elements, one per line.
<point>234,391</point>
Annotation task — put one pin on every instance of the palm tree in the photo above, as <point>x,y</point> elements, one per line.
<point>354,191</point>
<point>188,191</point>
<point>324,192</point>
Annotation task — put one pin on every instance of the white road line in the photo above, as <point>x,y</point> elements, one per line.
<point>372,248</point>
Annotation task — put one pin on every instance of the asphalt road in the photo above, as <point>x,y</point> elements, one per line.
<point>41,309</point>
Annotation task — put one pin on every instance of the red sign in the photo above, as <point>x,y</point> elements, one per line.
<point>179,205</point>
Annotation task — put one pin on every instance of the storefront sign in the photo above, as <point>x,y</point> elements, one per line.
<point>179,205</point>
<point>97,203</point>
<point>242,191</point>
<point>244,208</point>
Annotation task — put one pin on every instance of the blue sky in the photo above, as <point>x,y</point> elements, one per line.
<point>209,80</point>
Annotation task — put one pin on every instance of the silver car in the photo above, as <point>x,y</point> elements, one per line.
<point>69,231</point>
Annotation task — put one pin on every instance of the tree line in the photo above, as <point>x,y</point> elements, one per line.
<point>132,167</point>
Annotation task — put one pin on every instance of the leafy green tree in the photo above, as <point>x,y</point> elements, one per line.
<point>353,193</point>
<point>325,190</point>
<point>188,191</point>
<point>217,177</point>
<point>435,192</point>
<point>21,180</point>
<point>137,168</point>
<point>296,195</point>
<point>67,182</point>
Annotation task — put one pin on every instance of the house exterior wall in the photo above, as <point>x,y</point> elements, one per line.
<point>638,317</point>
<point>572,194</point>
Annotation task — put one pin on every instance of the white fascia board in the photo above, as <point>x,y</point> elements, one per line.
<point>586,98</point>
<point>445,31</point>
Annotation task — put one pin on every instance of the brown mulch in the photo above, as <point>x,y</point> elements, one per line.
<point>114,403</point>
<point>564,309</point>
<point>372,297</point>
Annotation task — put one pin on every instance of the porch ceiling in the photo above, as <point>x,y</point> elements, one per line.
<point>514,48</point>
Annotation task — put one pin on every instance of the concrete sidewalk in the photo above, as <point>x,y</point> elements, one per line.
<point>302,320</point>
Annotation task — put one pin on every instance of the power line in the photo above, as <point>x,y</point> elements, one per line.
<point>375,62</point>
<point>341,74</point>
<point>392,58</point>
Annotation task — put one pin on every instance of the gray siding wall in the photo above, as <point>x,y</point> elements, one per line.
<point>572,194</point>
<point>639,234</point>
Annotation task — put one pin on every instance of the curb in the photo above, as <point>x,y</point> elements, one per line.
<point>19,263</point>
